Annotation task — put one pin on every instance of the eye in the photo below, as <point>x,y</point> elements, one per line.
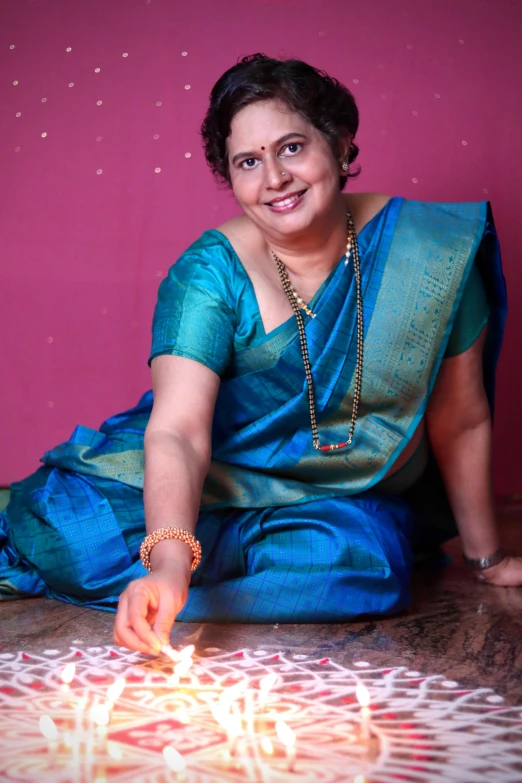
<point>249,163</point>
<point>293,148</point>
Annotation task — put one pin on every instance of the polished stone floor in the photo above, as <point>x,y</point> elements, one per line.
<point>456,626</point>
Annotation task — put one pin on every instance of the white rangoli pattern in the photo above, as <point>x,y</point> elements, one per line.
<point>423,727</point>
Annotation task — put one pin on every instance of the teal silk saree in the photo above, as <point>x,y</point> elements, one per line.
<point>288,534</point>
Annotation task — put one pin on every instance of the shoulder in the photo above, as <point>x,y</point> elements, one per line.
<point>364,206</point>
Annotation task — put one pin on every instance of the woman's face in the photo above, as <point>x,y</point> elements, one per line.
<point>267,139</point>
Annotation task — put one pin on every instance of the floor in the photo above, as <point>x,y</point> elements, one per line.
<point>466,631</point>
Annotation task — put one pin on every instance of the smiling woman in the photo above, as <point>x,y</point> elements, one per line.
<point>323,375</point>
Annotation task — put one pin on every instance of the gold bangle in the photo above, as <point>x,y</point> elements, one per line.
<point>164,533</point>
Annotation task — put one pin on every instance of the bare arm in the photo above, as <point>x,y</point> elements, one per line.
<point>177,457</point>
<point>459,429</point>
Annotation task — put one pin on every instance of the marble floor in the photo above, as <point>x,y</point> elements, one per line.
<point>455,626</point>
<point>468,633</point>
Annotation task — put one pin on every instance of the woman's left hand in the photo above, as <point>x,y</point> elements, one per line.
<point>507,573</point>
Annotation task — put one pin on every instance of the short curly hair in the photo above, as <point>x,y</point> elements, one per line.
<point>322,100</point>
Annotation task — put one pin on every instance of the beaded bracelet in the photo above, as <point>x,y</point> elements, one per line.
<point>164,533</point>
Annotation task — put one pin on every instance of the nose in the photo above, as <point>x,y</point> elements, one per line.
<point>275,174</point>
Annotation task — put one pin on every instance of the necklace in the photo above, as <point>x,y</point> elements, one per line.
<point>298,304</point>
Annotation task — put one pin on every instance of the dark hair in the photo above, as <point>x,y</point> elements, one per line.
<point>322,100</point>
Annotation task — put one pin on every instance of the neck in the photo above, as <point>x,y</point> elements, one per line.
<point>312,255</point>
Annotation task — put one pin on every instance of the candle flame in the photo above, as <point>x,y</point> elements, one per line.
<point>266,745</point>
<point>100,715</point>
<point>175,760</point>
<point>114,751</point>
<point>285,733</point>
<point>231,693</point>
<point>167,650</point>
<point>48,727</point>
<point>363,695</point>
<point>115,690</point>
<point>268,682</point>
<point>186,652</point>
<point>68,673</point>
<point>182,667</point>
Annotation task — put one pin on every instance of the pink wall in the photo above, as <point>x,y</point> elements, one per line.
<point>94,212</point>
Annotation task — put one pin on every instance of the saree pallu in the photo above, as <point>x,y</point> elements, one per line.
<point>288,534</point>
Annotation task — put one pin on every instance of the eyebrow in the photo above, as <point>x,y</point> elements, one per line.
<point>284,138</point>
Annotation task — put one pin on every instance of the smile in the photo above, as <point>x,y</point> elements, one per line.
<point>287,203</point>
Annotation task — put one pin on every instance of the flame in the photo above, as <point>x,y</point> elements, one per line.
<point>100,715</point>
<point>285,733</point>
<point>266,745</point>
<point>114,751</point>
<point>231,693</point>
<point>48,727</point>
<point>268,682</point>
<point>175,760</point>
<point>115,690</point>
<point>186,652</point>
<point>167,650</point>
<point>363,695</point>
<point>182,667</point>
<point>68,673</point>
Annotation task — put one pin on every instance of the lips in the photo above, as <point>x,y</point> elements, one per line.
<point>278,201</point>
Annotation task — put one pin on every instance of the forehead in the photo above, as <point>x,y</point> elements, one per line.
<point>263,122</point>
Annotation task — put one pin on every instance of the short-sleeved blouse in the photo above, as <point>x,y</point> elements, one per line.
<point>207,308</point>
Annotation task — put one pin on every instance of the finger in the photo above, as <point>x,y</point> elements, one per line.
<point>165,618</point>
<point>120,622</point>
<point>132,641</point>
<point>139,607</point>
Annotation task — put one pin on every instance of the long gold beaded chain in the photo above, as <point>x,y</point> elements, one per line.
<point>297,304</point>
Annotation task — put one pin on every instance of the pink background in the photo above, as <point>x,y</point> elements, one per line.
<point>94,212</point>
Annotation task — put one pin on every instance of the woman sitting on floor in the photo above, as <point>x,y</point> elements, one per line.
<point>318,364</point>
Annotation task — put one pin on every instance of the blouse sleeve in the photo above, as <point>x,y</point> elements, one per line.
<point>194,315</point>
<point>472,315</point>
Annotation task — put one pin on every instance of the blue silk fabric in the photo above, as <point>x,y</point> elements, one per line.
<point>289,534</point>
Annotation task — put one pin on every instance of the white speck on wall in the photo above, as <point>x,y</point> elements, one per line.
<point>12,46</point>
<point>125,54</point>
<point>71,84</point>
<point>437,95</point>
<point>69,49</point>
<point>44,100</point>
<point>15,83</point>
<point>99,171</point>
<point>44,135</point>
<point>188,154</point>
<point>97,70</point>
<point>18,114</point>
<point>187,86</point>
<point>184,54</point>
<point>464,143</point>
<point>414,180</point>
<point>156,136</point>
<point>355,81</point>
<point>157,170</point>
<point>50,339</point>
<point>99,103</point>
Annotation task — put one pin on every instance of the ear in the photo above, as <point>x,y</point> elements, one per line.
<point>344,147</point>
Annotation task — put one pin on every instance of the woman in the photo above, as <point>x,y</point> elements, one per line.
<point>314,362</point>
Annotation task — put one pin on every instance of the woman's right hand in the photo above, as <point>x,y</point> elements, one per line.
<point>148,607</point>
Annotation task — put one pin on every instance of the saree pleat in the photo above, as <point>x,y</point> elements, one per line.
<point>288,534</point>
